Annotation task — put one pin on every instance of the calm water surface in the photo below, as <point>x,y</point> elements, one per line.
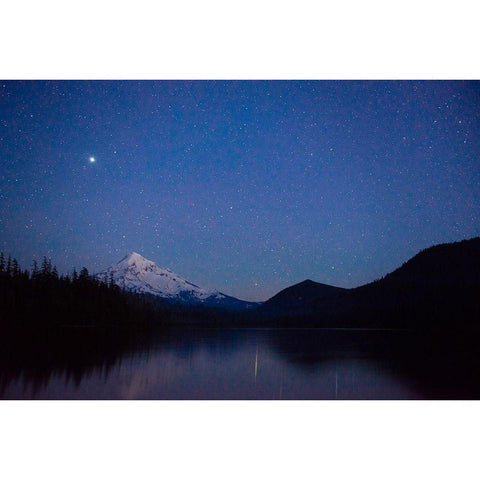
<point>196,363</point>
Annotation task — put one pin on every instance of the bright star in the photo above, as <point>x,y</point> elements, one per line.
<point>92,159</point>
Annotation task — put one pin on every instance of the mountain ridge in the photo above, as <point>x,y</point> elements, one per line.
<point>438,285</point>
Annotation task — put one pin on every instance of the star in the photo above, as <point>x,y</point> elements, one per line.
<point>92,159</point>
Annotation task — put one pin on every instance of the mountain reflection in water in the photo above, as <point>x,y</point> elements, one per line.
<point>209,363</point>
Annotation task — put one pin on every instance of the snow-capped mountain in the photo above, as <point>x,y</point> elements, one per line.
<point>137,274</point>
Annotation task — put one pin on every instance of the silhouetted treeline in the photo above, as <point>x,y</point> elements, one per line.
<point>43,298</point>
<point>437,288</point>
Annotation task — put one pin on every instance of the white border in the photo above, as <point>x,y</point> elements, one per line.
<point>259,39</point>
<point>239,40</point>
<point>238,440</point>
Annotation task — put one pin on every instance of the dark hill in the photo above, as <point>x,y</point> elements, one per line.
<point>291,300</point>
<point>448,264</point>
<point>438,287</point>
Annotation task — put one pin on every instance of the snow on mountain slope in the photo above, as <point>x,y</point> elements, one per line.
<point>137,274</point>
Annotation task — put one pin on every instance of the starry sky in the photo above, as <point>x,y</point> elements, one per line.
<point>243,186</point>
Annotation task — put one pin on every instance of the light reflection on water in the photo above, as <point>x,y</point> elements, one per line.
<point>233,364</point>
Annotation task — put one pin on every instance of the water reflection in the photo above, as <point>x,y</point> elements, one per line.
<point>239,364</point>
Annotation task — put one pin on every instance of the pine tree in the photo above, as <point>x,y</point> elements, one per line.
<point>74,275</point>
<point>46,268</point>
<point>2,262</point>
<point>9,265</point>
<point>84,275</point>
<point>34,270</point>
<point>15,268</point>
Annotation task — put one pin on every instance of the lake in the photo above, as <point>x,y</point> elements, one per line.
<point>268,364</point>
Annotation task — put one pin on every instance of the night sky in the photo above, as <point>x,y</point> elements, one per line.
<point>247,186</point>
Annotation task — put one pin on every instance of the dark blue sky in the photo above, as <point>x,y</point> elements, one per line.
<point>247,186</point>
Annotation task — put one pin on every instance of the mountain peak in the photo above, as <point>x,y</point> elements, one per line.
<point>135,259</point>
<point>136,273</point>
<point>133,256</point>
